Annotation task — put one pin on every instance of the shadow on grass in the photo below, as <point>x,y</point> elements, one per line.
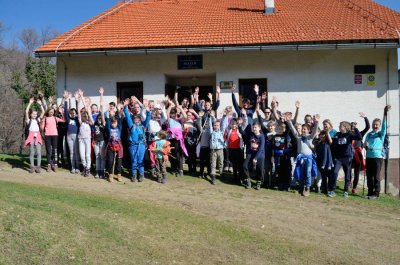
<point>16,161</point>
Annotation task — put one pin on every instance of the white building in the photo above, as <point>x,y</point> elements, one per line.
<point>338,58</point>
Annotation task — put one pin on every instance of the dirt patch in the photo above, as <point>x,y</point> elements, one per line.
<point>363,232</point>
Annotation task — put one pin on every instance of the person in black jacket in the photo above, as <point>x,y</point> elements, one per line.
<point>343,154</point>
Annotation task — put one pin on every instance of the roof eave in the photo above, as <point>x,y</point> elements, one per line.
<point>195,49</point>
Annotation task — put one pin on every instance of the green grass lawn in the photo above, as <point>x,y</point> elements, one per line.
<point>52,226</point>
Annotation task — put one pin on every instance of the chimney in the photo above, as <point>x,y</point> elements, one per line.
<point>269,7</point>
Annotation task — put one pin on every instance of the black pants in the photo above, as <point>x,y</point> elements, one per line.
<point>236,159</point>
<point>110,163</point>
<point>176,158</point>
<point>60,148</point>
<point>227,162</point>
<point>374,166</point>
<point>284,172</point>
<point>191,160</point>
<point>51,149</point>
<point>346,164</point>
<point>205,159</point>
<point>327,177</point>
<point>259,167</point>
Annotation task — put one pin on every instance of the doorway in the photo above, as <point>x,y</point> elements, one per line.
<point>185,86</point>
<point>246,87</point>
<point>128,89</point>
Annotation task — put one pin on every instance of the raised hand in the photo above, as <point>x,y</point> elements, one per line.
<point>387,108</point>
<point>39,102</point>
<point>316,118</point>
<point>126,102</point>
<point>120,106</point>
<point>233,88</point>
<point>76,95</point>
<point>209,95</point>
<point>218,89</point>
<point>65,95</point>
<point>256,89</point>
<point>297,104</point>
<point>31,100</point>
<point>80,92</point>
<point>362,114</point>
<point>101,90</point>
<point>51,99</point>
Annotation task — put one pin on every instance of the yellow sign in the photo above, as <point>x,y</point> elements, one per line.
<point>371,80</point>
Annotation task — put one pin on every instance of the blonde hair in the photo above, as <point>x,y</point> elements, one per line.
<point>346,125</point>
<point>329,122</point>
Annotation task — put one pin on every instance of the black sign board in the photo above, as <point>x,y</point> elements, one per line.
<point>186,62</point>
<point>364,69</point>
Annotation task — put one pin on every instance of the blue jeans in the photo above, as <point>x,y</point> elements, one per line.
<point>136,152</point>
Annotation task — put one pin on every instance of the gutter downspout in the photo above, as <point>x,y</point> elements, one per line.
<point>386,160</point>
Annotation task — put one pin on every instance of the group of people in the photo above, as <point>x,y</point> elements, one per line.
<point>254,141</point>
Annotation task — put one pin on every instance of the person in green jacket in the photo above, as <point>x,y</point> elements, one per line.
<point>374,146</point>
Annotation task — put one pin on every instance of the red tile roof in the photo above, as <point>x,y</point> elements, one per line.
<point>197,23</point>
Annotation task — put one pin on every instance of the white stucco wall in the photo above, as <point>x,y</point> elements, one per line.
<point>322,80</point>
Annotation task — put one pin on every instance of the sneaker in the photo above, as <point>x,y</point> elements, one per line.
<point>38,169</point>
<point>354,191</point>
<point>230,169</point>
<point>159,179</point>
<point>133,179</point>
<point>72,171</point>
<point>164,179</point>
<point>77,171</point>
<point>331,194</point>
<point>141,178</point>
<point>180,173</point>
<point>48,168</point>
<point>31,170</point>
<point>318,189</point>
<point>345,194</point>
<point>247,184</point>
<point>213,180</point>
<point>226,169</point>
<point>54,167</point>
<point>97,175</point>
<point>258,186</point>
<point>372,197</point>
<point>306,192</point>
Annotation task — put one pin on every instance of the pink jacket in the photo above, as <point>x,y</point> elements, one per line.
<point>51,125</point>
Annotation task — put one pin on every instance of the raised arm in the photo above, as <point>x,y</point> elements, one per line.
<point>254,97</point>
<point>291,127</point>
<point>296,114</point>
<point>66,109</point>
<point>31,100</point>
<point>315,129</point>
<point>383,130</point>
<point>367,125</point>
<point>127,114</point>
<point>234,101</point>
<point>41,109</point>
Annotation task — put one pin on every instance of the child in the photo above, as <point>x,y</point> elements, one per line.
<point>49,126</point>
<point>85,135</point>
<point>98,138</point>
<point>114,149</point>
<point>255,154</point>
<point>234,142</point>
<point>161,148</point>
<point>281,158</point>
<point>374,142</point>
<point>358,159</point>
<point>191,135</point>
<point>325,159</point>
<point>204,143</point>
<point>343,154</point>
<point>217,145</point>
<point>33,136</point>
<point>137,141</point>
<point>305,164</point>
<point>72,122</point>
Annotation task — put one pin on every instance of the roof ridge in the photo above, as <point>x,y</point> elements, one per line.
<point>369,12</point>
<point>91,23</point>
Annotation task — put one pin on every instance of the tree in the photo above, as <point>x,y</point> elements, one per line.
<point>29,38</point>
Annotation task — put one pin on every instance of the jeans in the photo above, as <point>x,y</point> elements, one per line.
<point>84,151</point>
<point>100,155</point>
<point>38,148</point>
<point>259,167</point>
<point>73,146</point>
<point>346,164</point>
<point>136,152</point>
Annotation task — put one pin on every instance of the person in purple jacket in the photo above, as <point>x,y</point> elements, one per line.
<point>255,154</point>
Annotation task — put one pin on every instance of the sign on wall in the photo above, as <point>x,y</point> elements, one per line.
<point>371,80</point>
<point>358,79</point>
<point>187,62</point>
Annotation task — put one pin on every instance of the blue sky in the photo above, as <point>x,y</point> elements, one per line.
<point>64,15</point>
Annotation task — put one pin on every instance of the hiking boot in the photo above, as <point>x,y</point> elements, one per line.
<point>141,178</point>
<point>318,189</point>
<point>153,172</point>
<point>133,178</point>
<point>354,191</point>
<point>109,177</point>
<point>164,179</point>
<point>48,168</point>
<point>345,194</point>
<point>247,184</point>
<point>31,170</point>
<point>97,175</point>
<point>306,192</point>
<point>118,177</point>
<point>159,179</point>
<point>258,186</point>
<point>38,169</point>
<point>54,167</point>
<point>213,180</point>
